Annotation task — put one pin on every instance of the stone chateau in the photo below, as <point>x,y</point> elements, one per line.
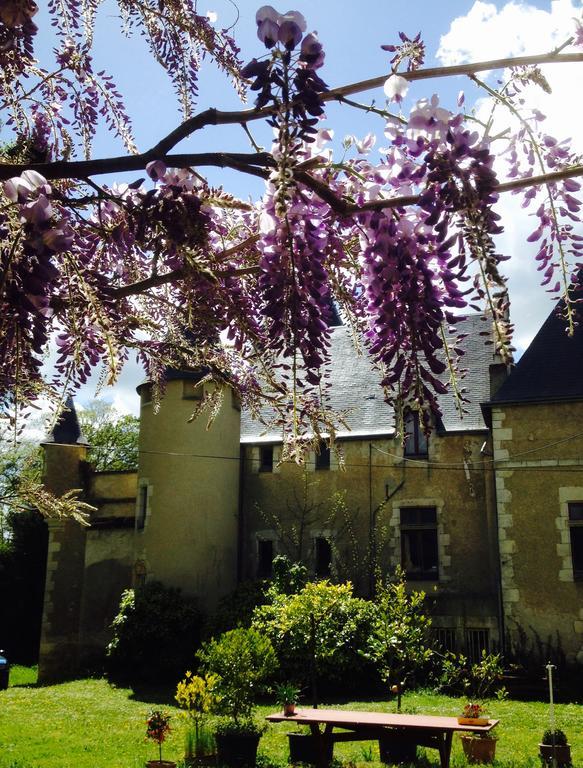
<point>486,515</point>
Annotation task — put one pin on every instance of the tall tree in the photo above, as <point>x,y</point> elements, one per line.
<point>112,437</point>
<point>164,268</point>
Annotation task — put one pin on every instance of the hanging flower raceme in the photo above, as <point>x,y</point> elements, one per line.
<point>407,283</point>
<point>39,231</point>
<point>294,285</point>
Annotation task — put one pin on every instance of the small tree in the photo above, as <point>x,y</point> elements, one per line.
<point>242,660</point>
<point>399,640</point>
<point>317,629</point>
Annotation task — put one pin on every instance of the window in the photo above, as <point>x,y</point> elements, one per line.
<point>445,638</point>
<point>322,557</point>
<point>477,643</point>
<point>415,439</point>
<point>264,558</point>
<point>576,531</point>
<point>419,543</point>
<point>142,507</point>
<point>323,457</point>
<point>266,458</point>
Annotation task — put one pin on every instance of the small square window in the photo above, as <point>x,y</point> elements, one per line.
<point>266,458</point>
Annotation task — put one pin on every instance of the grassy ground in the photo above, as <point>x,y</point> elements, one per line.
<point>89,724</point>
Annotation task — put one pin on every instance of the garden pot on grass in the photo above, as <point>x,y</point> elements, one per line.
<point>562,754</point>
<point>237,750</point>
<point>479,749</point>
<point>303,748</point>
<point>396,748</point>
<point>160,764</point>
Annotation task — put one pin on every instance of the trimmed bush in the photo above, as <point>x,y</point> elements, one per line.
<point>155,636</point>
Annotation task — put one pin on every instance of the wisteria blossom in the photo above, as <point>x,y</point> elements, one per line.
<point>397,236</point>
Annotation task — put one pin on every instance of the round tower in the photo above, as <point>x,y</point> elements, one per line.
<point>188,490</point>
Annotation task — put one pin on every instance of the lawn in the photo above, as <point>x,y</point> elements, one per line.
<point>90,724</point>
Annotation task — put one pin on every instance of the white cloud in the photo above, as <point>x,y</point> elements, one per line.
<point>515,29</point>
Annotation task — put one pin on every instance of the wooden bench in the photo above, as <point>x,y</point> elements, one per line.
<point>421,730</point>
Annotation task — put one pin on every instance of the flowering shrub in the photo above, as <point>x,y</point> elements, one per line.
<point>196,695</point>
<point>158,727</point>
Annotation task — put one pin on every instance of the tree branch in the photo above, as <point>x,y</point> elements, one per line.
<point>83,168</point>
<point>252,163</point>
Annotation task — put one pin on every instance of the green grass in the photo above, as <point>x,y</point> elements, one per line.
<point>90,724</point>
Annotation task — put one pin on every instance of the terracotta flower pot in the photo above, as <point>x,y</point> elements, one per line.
<point>160,764</point>
<point>289,709</point>
<point>479,750</point>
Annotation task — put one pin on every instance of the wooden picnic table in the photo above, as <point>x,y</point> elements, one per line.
<point>430,731</point>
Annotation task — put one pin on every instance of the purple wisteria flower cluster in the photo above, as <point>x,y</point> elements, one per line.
<point>399,240</point>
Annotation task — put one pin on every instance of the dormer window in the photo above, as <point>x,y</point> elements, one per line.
<point>415,438</point>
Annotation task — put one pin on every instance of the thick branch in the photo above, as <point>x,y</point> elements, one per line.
<point>252,163</point>
<point>83,168</point>
<point>458,69</point>
<point>344,208</point>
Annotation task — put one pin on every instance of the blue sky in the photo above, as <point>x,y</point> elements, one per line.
<point>352,33</point>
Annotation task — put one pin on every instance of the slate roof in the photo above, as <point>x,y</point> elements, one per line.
<point>67,430</point>
<point>550,370</point>
<point>355,385</point>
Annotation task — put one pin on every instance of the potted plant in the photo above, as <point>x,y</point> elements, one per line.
<point>287,695</point>
<point>196,695</point>
<point>479,747</point>
<point>555,746</point>
<point>157,728</point>
<point>473,714</point>
<point>241,660</point>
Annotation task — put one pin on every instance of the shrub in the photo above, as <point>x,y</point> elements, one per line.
<point>242,660</point>
<point>556,737</point>
<point>236,609</point>
<point>459,677</point>
<point>155,635</point>
<point>399,639</point>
